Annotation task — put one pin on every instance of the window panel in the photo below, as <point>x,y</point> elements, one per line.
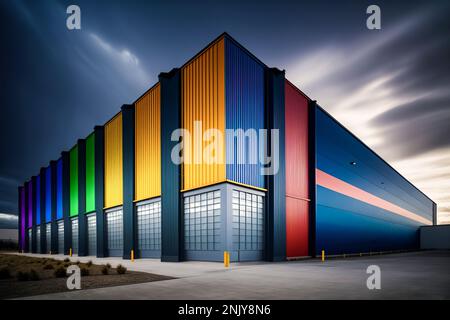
<point>74,235</point>
<point>247,221</point>
<point>61,236</point>
<point>149,226</point>
<point>202,221</point>
<point>92,235</point>
<point>114,221</point>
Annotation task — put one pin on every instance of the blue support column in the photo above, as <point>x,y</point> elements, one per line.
<point>312,176</point>
<point>129,215</point>
<point>54,226</point>
<point>276,183</point>
<point>172,238</point>
<point>99,191</point>
<point>66,201</point>
<point>19,220</point>
<point>26,238</point>
<point>33,227</point>
<point>82,221</point>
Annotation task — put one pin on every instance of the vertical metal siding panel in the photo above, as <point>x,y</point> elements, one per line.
<point>48,194</point>
<point>38,200</point>
<point>297,173</point>
<point>59,189</point>
<point>30,204</point>
<point>73,181</point>
<point>203,99</point>
<point>148,145</point>
<point>345,224</point>
<point>113,162</point>
<point>90,173</point>
<point>297,224</point>
<point>244,110</point>
<point>297,176</point>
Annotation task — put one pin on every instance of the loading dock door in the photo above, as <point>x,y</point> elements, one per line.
<point>92,234</point>
<point>114,225</point>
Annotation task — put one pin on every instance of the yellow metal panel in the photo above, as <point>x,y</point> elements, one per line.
<point>148,145</point>
<point>113,162</point>
<point>203,99</point>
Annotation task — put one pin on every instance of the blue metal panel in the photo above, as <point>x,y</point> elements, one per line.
<point>48,194</point>
<point>38,200</point>
<point>347,225</point>
<point>337,148</point>
<point>244,98</point>
<point>59,189</point>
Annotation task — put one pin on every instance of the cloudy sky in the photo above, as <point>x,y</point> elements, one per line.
<point>389,86</point>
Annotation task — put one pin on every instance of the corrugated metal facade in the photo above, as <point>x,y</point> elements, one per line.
<point>113,163</point>
<point>90,173</point>
<point>73,181</point>
<point>38,200</point>
<point>59,189</point>
<point>362,203</point>
<point>148,145</point>
<point>244,96</point>
<point>297,172</point>
<point>203,99</point>
<point>48,194</point>
<point>359,203</point>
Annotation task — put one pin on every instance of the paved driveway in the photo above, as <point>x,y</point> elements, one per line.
<point>418,275</point>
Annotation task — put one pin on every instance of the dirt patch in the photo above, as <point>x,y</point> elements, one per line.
<point>22,276</point>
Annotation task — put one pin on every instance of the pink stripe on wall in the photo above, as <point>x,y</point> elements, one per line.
<point>328,181</point>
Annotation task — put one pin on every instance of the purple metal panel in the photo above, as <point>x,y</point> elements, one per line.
<point>30,203</point>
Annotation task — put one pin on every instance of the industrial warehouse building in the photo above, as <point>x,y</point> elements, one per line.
<point>118,191</point>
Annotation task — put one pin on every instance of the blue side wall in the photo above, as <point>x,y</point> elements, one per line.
<point>244,103</point>
<point>347,225</point>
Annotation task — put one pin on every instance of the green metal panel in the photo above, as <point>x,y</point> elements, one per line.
<point>74,181</point>
<point>90,173</point>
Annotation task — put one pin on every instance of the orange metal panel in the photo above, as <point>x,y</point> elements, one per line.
<point>113,162</point>
<point>148,145</point>
<point>203,99</point>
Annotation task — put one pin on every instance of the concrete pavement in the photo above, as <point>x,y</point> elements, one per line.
<point>417,275</point>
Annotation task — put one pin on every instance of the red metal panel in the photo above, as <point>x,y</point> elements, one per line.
<point>297,233</point>
<point>297,175</point>
<point>296,142</point>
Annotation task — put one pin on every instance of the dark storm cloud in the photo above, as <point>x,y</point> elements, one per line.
<point>391,88</point>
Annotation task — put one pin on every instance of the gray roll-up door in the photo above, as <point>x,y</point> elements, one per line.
<point>92,234</point>
<point>149,228</point>
<point>30,242</point>
<point>48,235</point>
<point>38,239</point>
<point>74,235</point>
<point>61,236</point>
<point>114,223</point>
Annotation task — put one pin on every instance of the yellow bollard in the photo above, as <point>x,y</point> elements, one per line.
<point>323,255</point>
<point>226,259</point>
<point>132,255</point>
<point>70,252</point>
